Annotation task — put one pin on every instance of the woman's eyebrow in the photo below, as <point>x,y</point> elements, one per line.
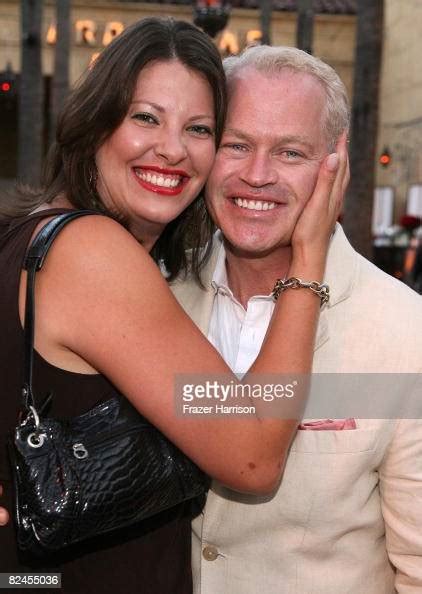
<point>150,103</point>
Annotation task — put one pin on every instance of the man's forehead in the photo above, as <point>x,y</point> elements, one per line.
<point>273,77</point>
<point>275,134</point>
<point>284,108</point>
<point>266,92</point>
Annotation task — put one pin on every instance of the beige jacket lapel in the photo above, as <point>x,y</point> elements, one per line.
<point>195,300</point>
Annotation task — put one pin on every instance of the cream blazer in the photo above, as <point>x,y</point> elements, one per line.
<point>347,516</point>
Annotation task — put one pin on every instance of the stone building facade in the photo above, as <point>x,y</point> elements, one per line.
<point>400,128</point>
<point>95,22</point>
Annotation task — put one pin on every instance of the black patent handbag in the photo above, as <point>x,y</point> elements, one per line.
<point>103,470</point>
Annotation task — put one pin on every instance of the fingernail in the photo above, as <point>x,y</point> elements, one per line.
<point>332,162</point>
<point>3,518</point>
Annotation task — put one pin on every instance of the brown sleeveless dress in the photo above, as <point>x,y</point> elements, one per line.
<point>150,559</point>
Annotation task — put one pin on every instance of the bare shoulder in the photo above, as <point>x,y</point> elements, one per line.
<point>95,245</point>
<point>96,274</point>
<point>94,232</point>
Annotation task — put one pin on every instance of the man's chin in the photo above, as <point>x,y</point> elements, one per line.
<point>258,250</point>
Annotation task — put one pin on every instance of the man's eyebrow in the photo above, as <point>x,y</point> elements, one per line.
<point>289,139</point>
<point>239,134</point>
<point>296,139</point>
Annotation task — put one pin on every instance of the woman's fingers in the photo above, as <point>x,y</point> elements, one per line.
<point>342,177</point>
<point>321,212</point>
<point>313,224</point>
<point>323,191</point>
<point>327,177</point>
<point>4,516</point>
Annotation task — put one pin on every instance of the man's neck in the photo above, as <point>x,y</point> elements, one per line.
<point>248,276</point>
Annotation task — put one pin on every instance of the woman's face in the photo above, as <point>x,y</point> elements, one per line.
<point>156,162</point>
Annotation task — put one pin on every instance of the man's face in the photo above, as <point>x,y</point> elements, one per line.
<point>268,161</point>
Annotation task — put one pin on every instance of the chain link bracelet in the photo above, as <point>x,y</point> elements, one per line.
<point>320,289</point>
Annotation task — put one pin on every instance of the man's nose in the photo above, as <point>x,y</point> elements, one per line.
<point>171,147</point>
<point>259,171</point>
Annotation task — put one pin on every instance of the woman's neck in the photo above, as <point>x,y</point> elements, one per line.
<point>59,202</point>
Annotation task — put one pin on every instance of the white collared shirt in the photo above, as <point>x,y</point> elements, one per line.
<point>237,333</point>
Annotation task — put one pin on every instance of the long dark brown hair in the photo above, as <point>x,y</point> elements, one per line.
<point>98,105</point>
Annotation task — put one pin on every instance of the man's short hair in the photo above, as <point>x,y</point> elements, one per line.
<point>271,60</point>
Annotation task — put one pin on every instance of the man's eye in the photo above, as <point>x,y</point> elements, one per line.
<point>235,147</point>
<point>290,154</point>
<point>201,130</point>
<point>145,117</point>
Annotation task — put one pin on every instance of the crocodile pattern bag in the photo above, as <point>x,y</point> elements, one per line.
<point>103,470</point>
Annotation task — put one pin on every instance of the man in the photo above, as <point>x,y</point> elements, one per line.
<point>347,516</point>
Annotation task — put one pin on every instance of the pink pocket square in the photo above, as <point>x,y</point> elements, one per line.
<point>329,425</point>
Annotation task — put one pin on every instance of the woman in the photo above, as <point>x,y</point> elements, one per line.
<point>137,140</point>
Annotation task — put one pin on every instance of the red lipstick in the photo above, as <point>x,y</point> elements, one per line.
<point>163,190</point>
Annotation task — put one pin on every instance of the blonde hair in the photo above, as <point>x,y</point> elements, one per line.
<point>271,60</point>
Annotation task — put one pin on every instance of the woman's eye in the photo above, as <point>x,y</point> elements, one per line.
<point>201,130</point>
<point>145,117</point>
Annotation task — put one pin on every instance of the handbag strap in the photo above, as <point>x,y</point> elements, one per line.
<point>33,262</point>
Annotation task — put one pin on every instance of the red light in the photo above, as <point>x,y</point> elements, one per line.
<point>385,158</point>
<point>5,87</point>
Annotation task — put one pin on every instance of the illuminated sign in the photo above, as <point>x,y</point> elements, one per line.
<point>253,37</point>
<point>87,32</point>
<point>51,37</point>
<point>112,30</point>
<point>228,43</point>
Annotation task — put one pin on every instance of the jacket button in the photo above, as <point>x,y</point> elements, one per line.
<point>210,553</point>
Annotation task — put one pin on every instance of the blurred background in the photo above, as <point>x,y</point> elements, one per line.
<point>374,45</point>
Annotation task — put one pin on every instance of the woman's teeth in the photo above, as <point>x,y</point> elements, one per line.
<point>254,204</point>
<point>164,181</point>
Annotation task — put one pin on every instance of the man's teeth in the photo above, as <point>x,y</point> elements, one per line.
<point>165,181</point>
<point>254,204</point>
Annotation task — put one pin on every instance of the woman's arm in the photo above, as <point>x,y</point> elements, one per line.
<point>102,300</point>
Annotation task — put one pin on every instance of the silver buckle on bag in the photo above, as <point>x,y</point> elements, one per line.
<point>79,451</point>
<point>36,440</point>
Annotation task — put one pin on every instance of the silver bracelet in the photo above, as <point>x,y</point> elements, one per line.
<point>320,289</point>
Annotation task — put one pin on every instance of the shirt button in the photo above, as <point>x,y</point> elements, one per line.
<point>210,553</point>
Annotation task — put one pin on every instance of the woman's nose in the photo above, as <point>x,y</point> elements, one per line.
<point>171,147</point>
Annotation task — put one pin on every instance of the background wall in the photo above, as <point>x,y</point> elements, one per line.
<point>334,38</point>
<point>401,98</point>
